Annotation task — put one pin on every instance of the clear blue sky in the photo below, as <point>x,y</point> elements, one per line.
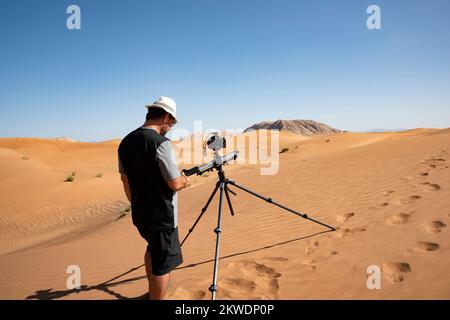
<point>228,63</point>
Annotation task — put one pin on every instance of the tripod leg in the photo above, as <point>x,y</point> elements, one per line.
<point>231,191</point>
<point>217,230</point>
<point>279,205</point>
<point>228,200</point>
<point>203,211</point>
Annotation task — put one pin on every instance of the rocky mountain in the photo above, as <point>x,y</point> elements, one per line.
<point>303,127</point>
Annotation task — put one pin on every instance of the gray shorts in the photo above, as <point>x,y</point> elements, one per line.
<point>164,248</point>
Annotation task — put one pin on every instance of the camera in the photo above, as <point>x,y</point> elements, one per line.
<point>216,142</point>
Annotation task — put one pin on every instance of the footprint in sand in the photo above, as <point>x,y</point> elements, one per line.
<point>388,193</point>
<point>345,232</point>
<point>345,217</point>
<point>249,285</point>
<point>424,174</point>
<point>410,199</point>
<point>313,263</point>
<point>396,271</point>
<point>379,206</point>
<point>329,254</point>
<point>399,218</point>
<point>181,293</point>
<point>310,264</point>
<point>276,259</point>
<point>434,162</point>
<point>431,186</point>
<point>435,226</point>
<point>407,178</point>
<point>312,248</point>
<point>250,279</point>
<point>423,246</point>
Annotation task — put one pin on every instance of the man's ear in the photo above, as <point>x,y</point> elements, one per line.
<point>166,118</point>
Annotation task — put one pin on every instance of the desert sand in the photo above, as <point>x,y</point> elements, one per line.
<point>387,193</point>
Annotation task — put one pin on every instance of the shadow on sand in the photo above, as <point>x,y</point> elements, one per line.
<point>50,294</point>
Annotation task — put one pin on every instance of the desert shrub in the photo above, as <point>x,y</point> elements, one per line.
<point>124,212</point>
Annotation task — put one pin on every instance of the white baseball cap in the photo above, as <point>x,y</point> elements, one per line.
<point>165,103</point>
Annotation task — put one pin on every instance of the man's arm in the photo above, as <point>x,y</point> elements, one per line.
<point>165,157</point>
<point>126,186</point>
<point>178,183</point>
<point>124,178</point>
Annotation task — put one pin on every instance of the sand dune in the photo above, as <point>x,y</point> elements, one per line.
<point>388,194</point>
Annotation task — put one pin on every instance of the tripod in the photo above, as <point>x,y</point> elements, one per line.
<point>222,184</point>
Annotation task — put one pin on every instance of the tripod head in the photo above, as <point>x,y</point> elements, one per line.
<point>215,143</point>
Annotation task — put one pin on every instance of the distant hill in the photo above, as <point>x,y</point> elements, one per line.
<point>303,127</point>
<point>385,130</point>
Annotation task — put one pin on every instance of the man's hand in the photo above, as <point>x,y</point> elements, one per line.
<point>178,183</point>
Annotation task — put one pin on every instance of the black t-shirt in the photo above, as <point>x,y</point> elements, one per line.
<point>148,160</point>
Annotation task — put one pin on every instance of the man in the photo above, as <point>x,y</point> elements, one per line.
<point>151,179</point>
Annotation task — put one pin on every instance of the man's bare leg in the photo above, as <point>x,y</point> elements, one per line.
<point>148,269</point>
<point>158,286</point>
